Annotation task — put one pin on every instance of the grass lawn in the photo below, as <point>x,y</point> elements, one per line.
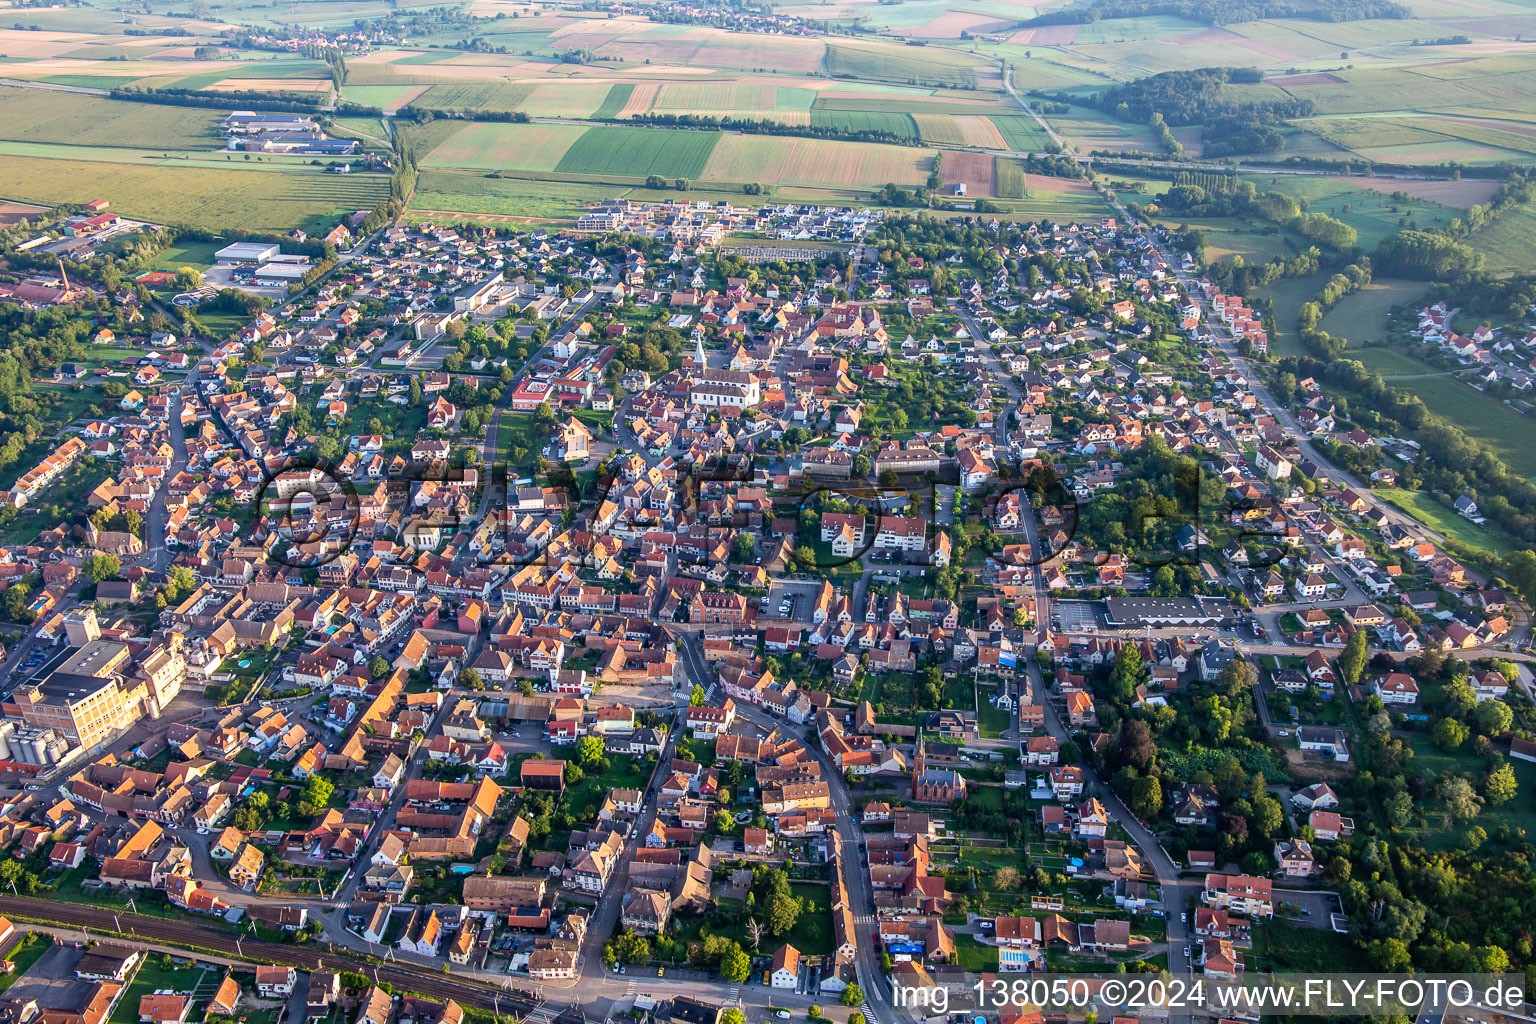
<point>27,952</point>
<point>1363,315</point>
<point>1517,813</point>
<point>993,721</point>
<point>973,956</point>
<point>1440,518</point>
<point>1278,946</point>
<point>812,933</point>
<point>153,978</point>
<point>185,254</point>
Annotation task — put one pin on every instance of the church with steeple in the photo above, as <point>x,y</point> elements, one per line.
<point>934,785</point>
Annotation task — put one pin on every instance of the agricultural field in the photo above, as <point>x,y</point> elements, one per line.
<point>947,129</point>
<point>1509,243</point>
<point>640,151</point>
<point>1021,132</point>
<point>208,197</point>
<point>916,65</point>
<point>816,162</point>
<point>497,146</point>
<point>499,97</point>
<point>902,125</point>
<point>76,119</point>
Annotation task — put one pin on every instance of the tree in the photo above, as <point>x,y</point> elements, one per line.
<point>1501,785</point>
<point>1146,797</point>
<point>378,666</point>
<point>723,821</point>
<point>754,932</point>
<point>1389,956</point>
<point>1449,734</point>
<point>470,680</point>
<point>852,995</point>
<point>735,967</point>
<point>1135,745</point>
<point>589,751</point>
<point>745,545</point>
<point>1007,878</point>
<point>1267,817</point>
<point>102,567</point>
<point>697,697</point>
<point>574,774</point>
<point>1493,717</point>
<point>1457,796</point>
<point>1352,660</point>
<point>1399,808</point>
<point>1126,674</point>
<point>783,912</point>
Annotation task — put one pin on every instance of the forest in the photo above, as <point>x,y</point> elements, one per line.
<point>1224,12</point>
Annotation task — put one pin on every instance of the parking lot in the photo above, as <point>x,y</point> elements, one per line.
<point>1077,616</point>
<point>1308,908</point>
<point>798,595</point>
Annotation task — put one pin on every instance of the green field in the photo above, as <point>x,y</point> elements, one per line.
<point>1010,178</point>
<point>1509,243</point>
<point>213,198</point>
<point>493,96</point>
<point>614,102</point>
<point>915,65</point>
<point>1443,520</point>
<point>1506,432</point>
<point>639,152</point>
<point>1519,813</point>
<point>1363,315</point>
<point>443,193</point>
<point>1373,214</point>
<point>901,125</point>
<point>27,115</point>
<point>1021,132</point>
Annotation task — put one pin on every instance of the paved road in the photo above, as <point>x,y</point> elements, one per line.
<point>872,979</point>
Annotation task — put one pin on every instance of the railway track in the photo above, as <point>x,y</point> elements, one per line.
<point>464,991</point>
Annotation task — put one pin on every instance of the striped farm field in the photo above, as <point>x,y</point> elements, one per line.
<point>976,170</point>
<point>495,96</point>
<point>951,130</point>
<point>685,97</point>
<point>385,97</point>
<point>205,197</point>
<point>1020,132</point>
<point>492,146</point>
<point>820,162</point>
<point>1010,180</point>
<point>565,99</point>
<point>640,151</point>
<point>866,121</point>
<point>615,102</point>
<point>640,99</point>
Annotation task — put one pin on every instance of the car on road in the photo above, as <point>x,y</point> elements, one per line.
<point>781,1014</point>
<point>1184,917</point>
